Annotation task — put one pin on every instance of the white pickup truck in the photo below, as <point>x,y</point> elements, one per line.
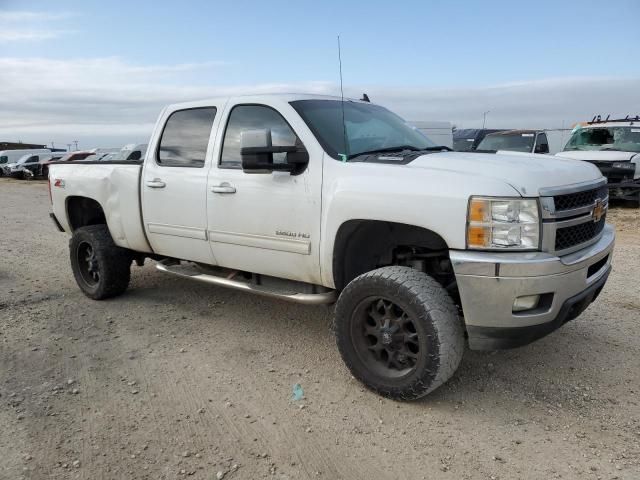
<point>614,147</point>
<point>316,200</point>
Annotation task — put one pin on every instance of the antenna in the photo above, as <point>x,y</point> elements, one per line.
<point>344,156</point>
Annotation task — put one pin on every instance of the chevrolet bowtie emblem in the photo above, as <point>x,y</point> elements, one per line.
<point>598,210</point>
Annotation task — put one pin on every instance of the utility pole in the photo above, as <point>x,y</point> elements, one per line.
<point>68,147</point>
<point>484,118</point>
<point>76,142</point>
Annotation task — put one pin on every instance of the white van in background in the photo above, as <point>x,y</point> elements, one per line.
<point>441,133</point>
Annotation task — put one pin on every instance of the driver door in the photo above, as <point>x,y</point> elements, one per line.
<point>266,223</point>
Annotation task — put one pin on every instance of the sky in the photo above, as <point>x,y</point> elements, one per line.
<point>99,72</point>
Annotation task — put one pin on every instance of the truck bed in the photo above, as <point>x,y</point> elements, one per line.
<point>115,185</point>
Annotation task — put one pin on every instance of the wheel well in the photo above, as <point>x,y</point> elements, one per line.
<point>364,245</point>
<point>83,211</point>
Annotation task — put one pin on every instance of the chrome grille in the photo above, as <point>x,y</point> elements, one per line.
<point>570,201</point>
<point>573,217</point>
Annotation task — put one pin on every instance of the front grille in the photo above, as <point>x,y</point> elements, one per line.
<point>613,174</point>
<point>568,237</point>
<point>569,201</point>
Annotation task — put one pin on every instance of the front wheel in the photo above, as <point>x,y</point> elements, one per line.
<point>100,267</point>
<point>398,332</point>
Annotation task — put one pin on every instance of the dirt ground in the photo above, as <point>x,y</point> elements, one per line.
<point>184,380</point>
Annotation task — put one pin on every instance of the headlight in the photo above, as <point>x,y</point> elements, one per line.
<point>503,223</point>
<point>625,166</point>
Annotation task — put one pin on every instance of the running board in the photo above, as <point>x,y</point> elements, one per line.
<point>290,296</point>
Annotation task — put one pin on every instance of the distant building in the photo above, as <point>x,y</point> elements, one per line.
<point>27,146</point>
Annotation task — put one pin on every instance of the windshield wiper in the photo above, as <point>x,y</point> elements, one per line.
<point>401,148</point>
<point>437,148</point>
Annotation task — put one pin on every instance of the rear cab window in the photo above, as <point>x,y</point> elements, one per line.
<point>185,138</point>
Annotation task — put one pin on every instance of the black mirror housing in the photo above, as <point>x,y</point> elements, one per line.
<point>260,159</point>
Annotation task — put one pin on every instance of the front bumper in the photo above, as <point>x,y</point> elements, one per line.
<point>490,282</point>
<point>624,189</point>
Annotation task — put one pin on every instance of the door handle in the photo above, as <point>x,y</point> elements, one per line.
<point>224,187</point>
<point>156,183</point>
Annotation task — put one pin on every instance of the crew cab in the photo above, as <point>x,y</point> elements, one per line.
<point>319,200</point>
<point>614,147</point>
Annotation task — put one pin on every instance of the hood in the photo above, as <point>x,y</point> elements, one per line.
<point>598,155</point>
<point>527,173</point>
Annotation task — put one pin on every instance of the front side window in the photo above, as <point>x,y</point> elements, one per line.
<point>185,138</point>
<point>542,144</point>
<point>255,117</point>
<point>32,159</point>
<point>626,139</point>
<point>366,127</point>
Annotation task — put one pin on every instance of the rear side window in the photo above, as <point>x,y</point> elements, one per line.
<point>185,138</point>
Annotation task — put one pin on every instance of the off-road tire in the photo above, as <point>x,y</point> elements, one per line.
<point>435,319</point>
<point>113,262</point>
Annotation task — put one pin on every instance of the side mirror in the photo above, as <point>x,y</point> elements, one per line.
<point>257,152</point>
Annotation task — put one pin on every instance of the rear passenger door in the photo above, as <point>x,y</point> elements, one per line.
<point>174,184</point>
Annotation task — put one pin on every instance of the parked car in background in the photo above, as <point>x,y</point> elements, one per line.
<point>467,139</point>
<point>27,166</point>
<point>101,154</point>
<point>614,147</point>
<point>8,157</point>
<point>77,155</point>
<point>526,141</point>
<point>130,151</point>
<point>67,157</point>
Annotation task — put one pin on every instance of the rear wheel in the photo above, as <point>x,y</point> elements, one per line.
<point>399,332</point>
<point>100,267</point>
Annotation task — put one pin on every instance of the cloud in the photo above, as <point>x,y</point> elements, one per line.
<point>109,102</point>
<point>7,16</point>
<point>8,35</point>
<point>16,26</point>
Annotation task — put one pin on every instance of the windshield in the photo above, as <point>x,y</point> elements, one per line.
<point>626,139</point>
<point>368,127</point>
<point>522,142</point>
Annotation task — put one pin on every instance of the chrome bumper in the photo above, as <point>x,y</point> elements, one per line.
<point>490,282</point>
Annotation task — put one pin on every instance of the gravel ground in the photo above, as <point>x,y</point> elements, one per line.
<point>184,380</point>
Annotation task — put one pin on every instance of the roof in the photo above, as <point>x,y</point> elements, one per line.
<point>630,123</point>
<point>516,132</point>
<point>282,97</point>
<point>473,132</point>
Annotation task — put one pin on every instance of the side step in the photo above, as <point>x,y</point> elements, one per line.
<point>188,271</point>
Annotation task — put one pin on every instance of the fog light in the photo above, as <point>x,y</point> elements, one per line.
<point>525,303</point>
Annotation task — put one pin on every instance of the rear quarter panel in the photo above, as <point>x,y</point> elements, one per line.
<point>114,186</point>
